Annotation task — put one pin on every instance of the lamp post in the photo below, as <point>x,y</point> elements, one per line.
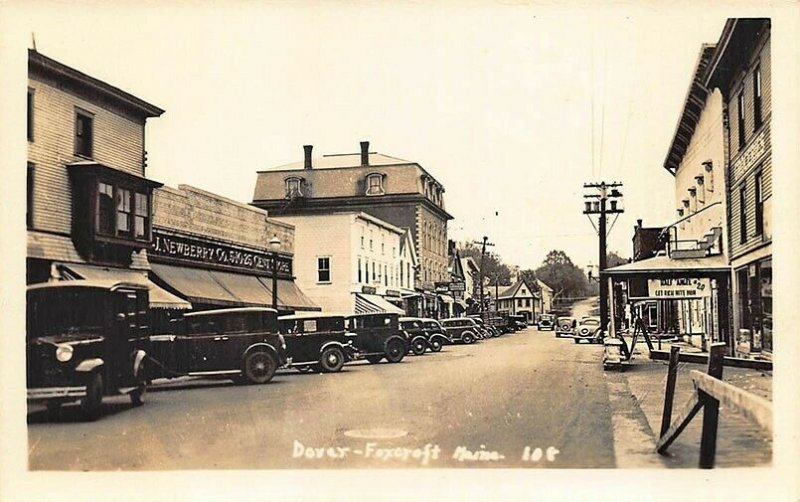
<point>275,244</point>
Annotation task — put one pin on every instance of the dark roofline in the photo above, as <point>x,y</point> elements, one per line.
<point>696,97</point>
<point>737,36</point>
<point>48,65</point>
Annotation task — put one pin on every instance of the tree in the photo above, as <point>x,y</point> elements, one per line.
<point>614,259</point>
<point>528,276</point>
<point>566,279</point>
<point>493,266</point>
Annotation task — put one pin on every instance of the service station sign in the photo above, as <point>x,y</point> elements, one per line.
<point>679,288</point>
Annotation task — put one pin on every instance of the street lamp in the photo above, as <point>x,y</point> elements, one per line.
<point>275,244</point>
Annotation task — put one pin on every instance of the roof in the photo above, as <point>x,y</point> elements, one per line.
<point>665,265</point>
<point>334,161</point>
<point>82,167</point>
<point>737,39</point>
<point>310,315</point>
<point>693,107</point>
<point>109,284</point>
<point>38,61</point>
<point>55,247</point>
<point>235,309</point>
<point>513,290</point>
<point>543,285</point>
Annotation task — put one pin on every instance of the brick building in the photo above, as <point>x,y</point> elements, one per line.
<point>741,71</point>
<point>397,191</point>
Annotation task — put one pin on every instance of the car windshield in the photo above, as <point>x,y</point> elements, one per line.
<point>591,322</point>
<point>64,310</point>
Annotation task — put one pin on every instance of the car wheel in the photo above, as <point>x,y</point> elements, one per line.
<point>137,394</point>
<point>92,402</point>
<point>467,338</point>
<point>259,367</point>
<point>395,351</point>
<point>418,347</point>
<point>576,340</point>
<point>436,345</point>
<point>374,359</point>
<point>331,360</point>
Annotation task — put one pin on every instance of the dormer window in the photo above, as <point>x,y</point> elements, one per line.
<point>294,187</point>
<point>375,184</point>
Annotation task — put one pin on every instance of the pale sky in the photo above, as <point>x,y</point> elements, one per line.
<point>499,102</point>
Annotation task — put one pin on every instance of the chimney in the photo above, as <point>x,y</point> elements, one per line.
<point>365,153</point>
<point>307,150</point>
<point>639,223</point>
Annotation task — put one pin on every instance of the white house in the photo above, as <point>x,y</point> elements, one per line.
<point>529,300</point>
<point>354,263</point>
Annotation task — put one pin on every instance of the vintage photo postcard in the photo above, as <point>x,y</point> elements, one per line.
<point>399,250</point>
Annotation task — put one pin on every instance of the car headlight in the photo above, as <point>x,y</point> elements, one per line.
<point>64,353</point>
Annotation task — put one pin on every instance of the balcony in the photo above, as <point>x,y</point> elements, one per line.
<point>710,244</point>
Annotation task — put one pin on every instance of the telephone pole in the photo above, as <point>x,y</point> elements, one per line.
<point>603,199</point>
<point>485,242</point>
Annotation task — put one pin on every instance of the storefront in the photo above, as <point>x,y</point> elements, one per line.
<point>754,307</point>
<point>216,253</point>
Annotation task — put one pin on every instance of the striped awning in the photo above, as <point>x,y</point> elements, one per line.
<point>374,304</point>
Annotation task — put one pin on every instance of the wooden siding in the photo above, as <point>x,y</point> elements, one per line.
<point>755,156</point>
<point>118,142</point>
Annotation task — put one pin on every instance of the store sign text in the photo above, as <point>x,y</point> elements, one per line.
<point>677,288</point>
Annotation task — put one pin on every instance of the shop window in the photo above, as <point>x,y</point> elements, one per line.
<point>759,195</point>
<point>757,119</point>
<point>84,133</point>
<point>740,121</point>
<point>30,115</point>
<point>766,304</point>
<point>375,184</point>
<point>29,197</point>
<point>324,269</point>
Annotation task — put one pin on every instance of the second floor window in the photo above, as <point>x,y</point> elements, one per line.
<point>742,215</point>
<point>123,211</point>
<point>30,114</point>
<point>294,187</point>
<point>105,209</point>
<point>324,269</point>
<point>759,195</point>
<point>84,133</point>
<point>30,192</point>
<point>359,270</point>
<point>740,121</point>
<point>142,216</point>
<point>375,184</point>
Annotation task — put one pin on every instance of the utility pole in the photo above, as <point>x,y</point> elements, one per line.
<point>485,242</point>
<point>603,199</point>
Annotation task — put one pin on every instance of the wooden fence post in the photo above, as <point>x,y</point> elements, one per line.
<point>708,439</point>
<point>669,394</point>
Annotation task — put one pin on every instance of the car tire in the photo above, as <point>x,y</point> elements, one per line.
<point>395,351</point>
<point>467,338</point>
<point>331,360</point>
<point>374,359</point>
<point>418,347</point>
<point>436,345</point>
<point>259,367</point>
<point>92,402</point>
<point>576,340</point>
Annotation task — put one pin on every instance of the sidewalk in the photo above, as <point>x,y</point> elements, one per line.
<point>740,443</point>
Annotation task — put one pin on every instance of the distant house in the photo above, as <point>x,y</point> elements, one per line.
<point>529,299</point>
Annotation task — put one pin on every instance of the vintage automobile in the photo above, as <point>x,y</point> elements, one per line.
<point>378,336</point>
<point>484,330</point>
<point>501,324</point>
<point>588,329</point>
<point>436,335</point>
<point>565,326</point>
<point>518,322</point>
<point>317,341</point>
<point>417,335</point>
<point>461,329</point>
<point>547,321</point>
<point>86,340</point>
<point>241,343</point>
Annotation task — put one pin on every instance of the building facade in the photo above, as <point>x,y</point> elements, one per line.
<point>89,204</point>
<point>355,263</point>
<point>741,72</point>
<point>397,191</point>
<point>526,299</point>
<point>216,252</point>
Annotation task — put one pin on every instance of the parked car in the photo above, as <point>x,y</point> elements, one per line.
<point>417,336</point>
<point>565,326</point>
<point>547,321</point>
<point>588,329</point>
<point>378,336</point>
<point>436,334</point>
<point>241,343</point>
<point>316,341</point>
<point>500,323</point>
<point>86,340</point>
<point>461,329</point>
<point>484,330</point>
<point>518,322</point>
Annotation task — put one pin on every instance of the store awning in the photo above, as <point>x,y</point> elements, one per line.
<point>664,265</point>
<point>230,289</point>
<point>159,297</point>
<point>447,299</point>
<point>373,304</point>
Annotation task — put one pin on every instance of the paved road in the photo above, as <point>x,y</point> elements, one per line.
<point>500,395</point>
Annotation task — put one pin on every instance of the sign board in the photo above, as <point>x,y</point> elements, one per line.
<point>368,290</point>
<point>442,288</point>
<point>393,293</point>
<point>679,288</point>
<point>458,286</point>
